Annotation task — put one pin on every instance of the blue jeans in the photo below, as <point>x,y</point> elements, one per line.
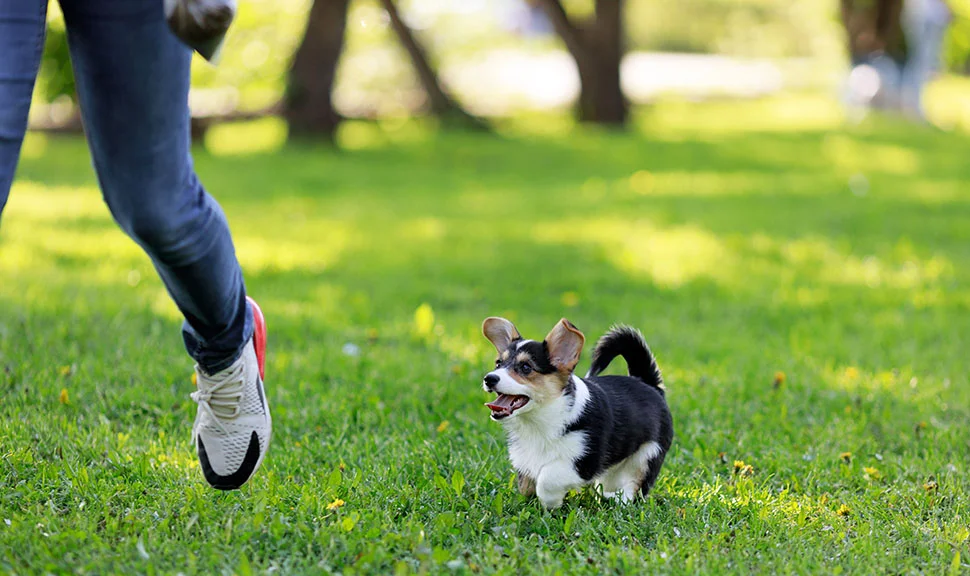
<point>925,45</point>
<point>132,78</point>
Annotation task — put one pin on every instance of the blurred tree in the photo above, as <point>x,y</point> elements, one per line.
<point>596,44</point>
<point>441,103</point>
<point>308,105</point>
<point>874,26</point>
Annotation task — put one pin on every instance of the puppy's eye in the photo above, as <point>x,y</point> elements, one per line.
<point>524,369</point>
<point>498,363</point>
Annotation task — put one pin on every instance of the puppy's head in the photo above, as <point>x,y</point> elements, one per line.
<point>527,373</point>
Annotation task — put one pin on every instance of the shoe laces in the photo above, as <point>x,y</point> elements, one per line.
<point>218,396</point>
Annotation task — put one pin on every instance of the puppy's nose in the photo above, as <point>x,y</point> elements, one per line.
<point>491,380</point>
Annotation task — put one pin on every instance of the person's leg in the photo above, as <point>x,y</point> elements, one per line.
<point>22,27</point>
<point>133,83</point>
<point>930,54</point>
<point>926,41</point>
<point>913,71</point>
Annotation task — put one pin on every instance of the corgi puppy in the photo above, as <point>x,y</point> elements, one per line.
<point>565,431</point>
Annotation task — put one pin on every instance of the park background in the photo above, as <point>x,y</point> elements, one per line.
<point>797,260</point>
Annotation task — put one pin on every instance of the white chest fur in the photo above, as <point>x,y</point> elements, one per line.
<point>536,440</point>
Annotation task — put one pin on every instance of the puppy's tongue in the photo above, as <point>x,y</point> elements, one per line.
<point>506,404</point>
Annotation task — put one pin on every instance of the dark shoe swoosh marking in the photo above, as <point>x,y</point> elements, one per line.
<point>262,401</point>
<point>237,478</point>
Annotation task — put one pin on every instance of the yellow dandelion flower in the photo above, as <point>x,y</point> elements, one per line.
<point>918,430</point>
<point>930,486</point>
<point>742,469</point>
<point>738,465</point>
<point>424,320</point>
<point>443,426</point>
<point>872,473</point>
<point>570,299</point>
<point>779,379</point>
<point>63,397</point>
<point>342,466</point>
<point>851,372</point>
<point>65,370</point>
<point>846,457</point>
<point>843,510</point>
<point>335,504</point>
<point>748,470</point>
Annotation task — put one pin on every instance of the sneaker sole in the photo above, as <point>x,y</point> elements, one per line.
<point>259,336</point>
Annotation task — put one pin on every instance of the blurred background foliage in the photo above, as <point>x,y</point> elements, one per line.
<point>750,28</point>
<point>375,78</point>
<point>957,45</point>
<point>252,72</point>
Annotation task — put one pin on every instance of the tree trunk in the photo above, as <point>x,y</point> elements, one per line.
<point>597,48</point>
<point>601,98</point>
<point>873,27</point>
<point>308,104</point>
<point>442,105</point>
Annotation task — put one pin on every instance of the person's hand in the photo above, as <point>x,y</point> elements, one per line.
<point>201,24</point>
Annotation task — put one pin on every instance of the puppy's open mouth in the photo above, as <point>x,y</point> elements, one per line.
<point>506,404</point>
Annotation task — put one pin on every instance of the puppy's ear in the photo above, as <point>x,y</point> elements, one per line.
<point>500,332</point>
<point>565,343</point>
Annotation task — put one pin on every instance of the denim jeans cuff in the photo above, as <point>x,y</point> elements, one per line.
<point>219,352</point>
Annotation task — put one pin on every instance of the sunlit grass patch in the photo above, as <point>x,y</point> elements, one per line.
<point>947,102</point>
<point>669,257</point>
<point>37,201</point>
<point>241,138</point>
<point>852,155</point>
<point>788,113</point>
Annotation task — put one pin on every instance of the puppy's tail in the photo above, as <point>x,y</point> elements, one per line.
<point>629,343</point>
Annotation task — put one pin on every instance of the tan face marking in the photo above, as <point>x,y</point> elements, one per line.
<point>546,387</point>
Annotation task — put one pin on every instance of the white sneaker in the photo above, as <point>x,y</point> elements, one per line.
<point>232,427</point>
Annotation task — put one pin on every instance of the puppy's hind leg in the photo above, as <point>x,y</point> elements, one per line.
<point>628,480</point>
<point>608,484</point>
<point>525,484</point>
<point>650,474</point>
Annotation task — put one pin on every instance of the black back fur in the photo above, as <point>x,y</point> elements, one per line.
<point>624,412</point>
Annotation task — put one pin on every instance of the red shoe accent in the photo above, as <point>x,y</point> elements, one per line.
<point>259,336</point>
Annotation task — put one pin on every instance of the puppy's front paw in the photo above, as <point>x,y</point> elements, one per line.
<point>554,481</point>
<point>525,484</point>
<point>551,502</point>
<point>550,497</point>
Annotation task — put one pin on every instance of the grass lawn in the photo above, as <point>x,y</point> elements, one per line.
<point>805,285</point>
